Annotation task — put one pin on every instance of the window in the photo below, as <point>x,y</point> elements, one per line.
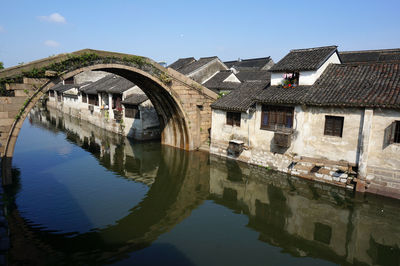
<point>69,80</point>
<point>116,101</point>
<point>93,99</point>
<point>277,117</point>
<point>291,79</point>
<point>333,125</point>
<point>84,99</point>
<point>392,133</point>
<point>59,97</point>
<point>233,118</point>
<point>51,93</point>
<point>397,133</point>
<point>132,111</point>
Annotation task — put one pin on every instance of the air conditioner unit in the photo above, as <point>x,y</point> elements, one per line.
<point>91,108</point>
<point>283,139</point>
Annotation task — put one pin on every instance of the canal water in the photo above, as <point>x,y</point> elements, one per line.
<point>82,196</point>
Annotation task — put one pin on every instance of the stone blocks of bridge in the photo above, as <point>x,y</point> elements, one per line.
<point>195,101</point>
<point>10,108</point>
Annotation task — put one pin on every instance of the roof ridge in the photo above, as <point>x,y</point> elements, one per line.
<point>208,57</point>
<point>313,48</point>
<point>373,50</point>
<point>248,59</point>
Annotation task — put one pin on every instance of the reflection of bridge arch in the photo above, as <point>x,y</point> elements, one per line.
<point>180,186</point>
<point>182,104</point>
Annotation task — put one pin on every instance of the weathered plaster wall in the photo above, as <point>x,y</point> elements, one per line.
<point>310,139</point>
<point>362,145</point>
<point>309,145</point>
<point>383,167</point>
<point>89,76</point>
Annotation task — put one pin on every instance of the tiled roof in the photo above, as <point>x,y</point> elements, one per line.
<point>280,95</point>
<point>304,59</point>
<point>217,83</point>
<point>181,62</point>
<point>363,85</point>
<point>135,99</point>
<point>187,69</point>
<point>248,64</point>
<point>246,75</point>
<point>110,83</point>
<point>240,99</point>
<point>61,87</point>
<point>370,56</point>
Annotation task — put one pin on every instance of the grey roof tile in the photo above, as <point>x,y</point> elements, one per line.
<point>189,68</point>
<point>242,98</point>
<point>304,59</point>
<point>363,85</point>
<point>181,62</point>
<point>110,83</point>
<point>216,83</point>
<point>248,75</point>
<point>370,56</point>
<point>135,99</point>
<point>248,64</point>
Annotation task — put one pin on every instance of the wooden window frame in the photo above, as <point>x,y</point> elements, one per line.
<point>334,126</point>
<point>233,118</point>
<point>277,118</point>
<point>394,134</point>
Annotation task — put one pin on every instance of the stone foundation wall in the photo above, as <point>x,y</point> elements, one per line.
<point>383,181</point>
<point>325,171</point>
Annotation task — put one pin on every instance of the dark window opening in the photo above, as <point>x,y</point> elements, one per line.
<point>84,99</point>
<point>291,79</point>
<point>59,97</point>
<point>397,133</point>
<point>132,111</point>
<point>333,125</point>
<point>116,101</point>
<point>51,93</point>
<point>322,233</point>
<point>93,99</point>
<point>233,118</point>
<point>277,118</point>
<point>69,80</point>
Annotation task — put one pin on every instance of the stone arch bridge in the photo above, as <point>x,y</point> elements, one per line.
<point>183,105</point>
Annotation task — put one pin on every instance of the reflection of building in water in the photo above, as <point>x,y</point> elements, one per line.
<point>113,151</point>
<point>307,219</point>
<point>107,101</point>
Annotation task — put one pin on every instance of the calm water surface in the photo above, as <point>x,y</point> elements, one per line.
<point>82,196</point>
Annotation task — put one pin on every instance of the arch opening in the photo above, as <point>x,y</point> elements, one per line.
<point>168,105</point>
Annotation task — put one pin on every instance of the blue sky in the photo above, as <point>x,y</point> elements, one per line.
<point>167,30</point>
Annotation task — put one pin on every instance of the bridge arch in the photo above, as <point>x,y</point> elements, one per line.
<point>182,104</point>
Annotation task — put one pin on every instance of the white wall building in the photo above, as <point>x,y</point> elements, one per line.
<point>343,129</point>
